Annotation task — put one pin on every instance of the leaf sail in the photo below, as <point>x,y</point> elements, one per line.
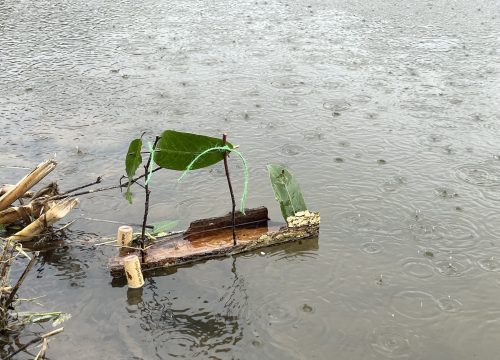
<point>286,190</point>
<point>176,150</point>
<point>132,162</point>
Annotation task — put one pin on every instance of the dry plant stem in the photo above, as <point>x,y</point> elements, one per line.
<point>98,181</point>
<point>92,191</point>
<point>10,215</point>
<point>21,280</point>
<point>26,183</point>
<point>146,210</point>
<point>34,341</point>
<point>43,350</point>
<point>3,261</point>
<point>7,257</point>
<point>55,213</point>
<point>226,168</point>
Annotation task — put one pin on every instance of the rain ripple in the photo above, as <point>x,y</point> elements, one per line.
<point>478,174</point>
<point>295,84</point>
<point>417,305</point>
<point>446,234</point>
<point>455,265</point>
<point>489,264</point>
<point>418,268</point>
<point>392,342</point>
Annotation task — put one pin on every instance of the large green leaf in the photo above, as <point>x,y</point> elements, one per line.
<point>176,150</point>
<point>132,162</point>
<point>286,190</point>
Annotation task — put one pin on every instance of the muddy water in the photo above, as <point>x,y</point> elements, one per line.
<point>388,113</point>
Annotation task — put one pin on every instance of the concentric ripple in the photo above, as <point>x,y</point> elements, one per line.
<point>447,233</point>
<point>371,247</point>
<point>336,105</point>
<point>454,265</point>
<point>418,268</point>
<point>391,342</point>
<point>415,304</point>
<point>432,140</point>
<point>394,184</point>
<point>479,175</point>
<point>293,83</point>
<point>279,313</point>
<point>489,264</point>
<point>358,220</point>
<point>292,149</point>
<point>448,304</point>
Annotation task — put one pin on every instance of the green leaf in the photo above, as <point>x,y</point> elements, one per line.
<point>163,226</point>
<point>176,150</point>
<point>132,162</point>
<point>128,195</point>
<point>286,190</point>
<point>134,157</point>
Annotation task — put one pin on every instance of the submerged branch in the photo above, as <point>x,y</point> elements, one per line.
<point>20,281</point>
<point>34,341</point>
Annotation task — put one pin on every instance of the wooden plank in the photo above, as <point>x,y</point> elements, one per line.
<point>251,216</point>
<point>210,242</point>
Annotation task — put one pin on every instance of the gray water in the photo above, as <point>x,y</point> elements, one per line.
<point>387,112</point>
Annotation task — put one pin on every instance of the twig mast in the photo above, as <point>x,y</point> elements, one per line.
<point>226,168</point>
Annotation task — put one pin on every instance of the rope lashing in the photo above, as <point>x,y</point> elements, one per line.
<point>245,170</point>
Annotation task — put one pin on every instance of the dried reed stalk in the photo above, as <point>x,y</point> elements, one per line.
<point>26,183</point>
<point>57,210</point>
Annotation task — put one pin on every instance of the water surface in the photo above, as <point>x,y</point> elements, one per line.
<point>386,112</point>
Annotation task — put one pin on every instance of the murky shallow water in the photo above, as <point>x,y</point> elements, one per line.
<point>386,112</point>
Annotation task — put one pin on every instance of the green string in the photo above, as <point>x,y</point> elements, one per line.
<point>245,170</point>
<point>150,170</point>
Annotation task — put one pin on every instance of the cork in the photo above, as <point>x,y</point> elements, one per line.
<point>124,236</point>
<point>133,271</point>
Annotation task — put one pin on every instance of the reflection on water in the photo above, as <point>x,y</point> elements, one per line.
<point>216,326</point>
<point>184,333</point>
<point>189,332</point>
<point>387,113</point>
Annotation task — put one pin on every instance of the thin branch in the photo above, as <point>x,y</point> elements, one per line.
<point>233,210</point>
<point>34,341</point>
<point>21,280</point>
<point>146,202</point>
<point>92,191</point>
<point>97,181</point>
<point>115,222</point>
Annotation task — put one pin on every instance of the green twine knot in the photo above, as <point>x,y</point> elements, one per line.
<point>245,170</point>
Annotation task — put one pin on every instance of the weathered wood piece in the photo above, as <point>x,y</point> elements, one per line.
<point>26,183</point>
<point>251,216</point>
<point>11,215</point>
<point>58,210</point>
<point>211,238</point>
